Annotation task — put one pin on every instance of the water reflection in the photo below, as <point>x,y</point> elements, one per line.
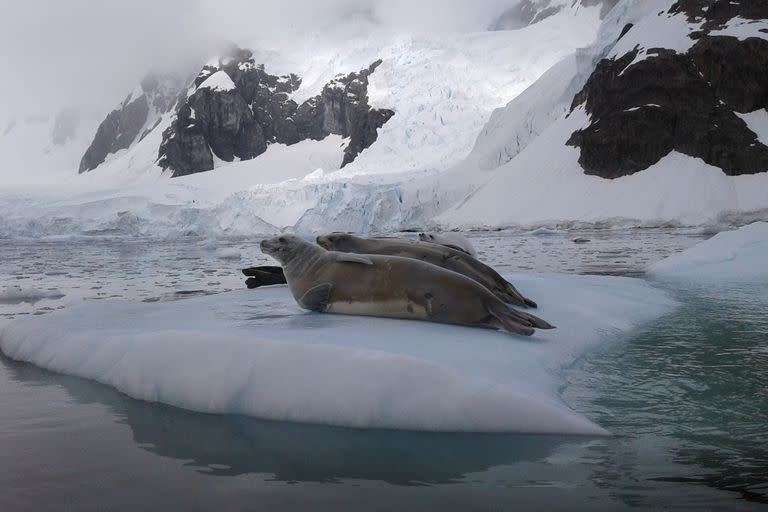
<point>229,445</point>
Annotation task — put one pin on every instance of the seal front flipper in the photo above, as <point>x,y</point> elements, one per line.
<point>317,298</point>
<point>264,276</point>
<point>353,258</point>
<point>262,269</point>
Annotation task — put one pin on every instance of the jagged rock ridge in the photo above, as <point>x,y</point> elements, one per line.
<point>686,102</point>
<point>138,114</point>
<point>236,109</point>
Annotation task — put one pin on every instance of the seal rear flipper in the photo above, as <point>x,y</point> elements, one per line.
<point>317,298</point>
<point>537,322</point>
<point>353,258</point>
<point>509,319</point>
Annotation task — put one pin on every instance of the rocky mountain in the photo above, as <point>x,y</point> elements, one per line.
<point>645,101</point>
<point>136,116</point>
<point>662,120</point>
<point>646,113</point>
<point>232,110</point>
<point>235,109</point>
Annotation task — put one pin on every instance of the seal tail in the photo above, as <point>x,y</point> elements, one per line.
<point>515,321</point>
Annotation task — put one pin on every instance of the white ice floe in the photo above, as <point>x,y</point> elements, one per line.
<point>255,352</point>
<point>20,294</point>
<point>739,255</point>
<point>228,253</point>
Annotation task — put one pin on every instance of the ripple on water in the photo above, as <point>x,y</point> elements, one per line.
<point>687,397</point>
<point>698,377</point>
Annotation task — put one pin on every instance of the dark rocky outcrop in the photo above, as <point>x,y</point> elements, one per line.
<point>116,132</point>
<point>666,102</point>
<point>255,110</point>
<point>346,112</point>
<point>124,125</point>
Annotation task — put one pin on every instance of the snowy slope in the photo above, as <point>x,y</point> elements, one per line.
<point>44,148</point>
<point>544,185</point>
<point>443,88</point>
<point>537,179</point>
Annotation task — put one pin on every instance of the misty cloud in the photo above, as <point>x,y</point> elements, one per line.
<point>61,53</point>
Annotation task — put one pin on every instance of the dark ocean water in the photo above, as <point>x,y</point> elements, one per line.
<point>686,396</point>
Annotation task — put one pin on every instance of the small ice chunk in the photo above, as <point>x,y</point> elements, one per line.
<point>17,294</point>
<point>740,255</point>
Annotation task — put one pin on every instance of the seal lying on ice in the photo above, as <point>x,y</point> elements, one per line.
<point>439,255</point>
<point>453,240</point>
<point>390,286</point>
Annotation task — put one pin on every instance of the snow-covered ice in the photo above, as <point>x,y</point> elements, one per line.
<point>255,352</point>
<point>229,253</point>
<point>738,255</point>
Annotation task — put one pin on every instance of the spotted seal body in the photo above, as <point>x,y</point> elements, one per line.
<point>390,286</point>
<point>445,257</point>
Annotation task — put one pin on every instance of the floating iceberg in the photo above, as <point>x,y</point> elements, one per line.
<point>739,255</point>
<point>256,353</point>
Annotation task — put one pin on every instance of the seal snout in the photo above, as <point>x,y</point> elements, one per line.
<point>268,246</point>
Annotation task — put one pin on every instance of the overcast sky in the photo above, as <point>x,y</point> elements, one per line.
<point>58,53</point>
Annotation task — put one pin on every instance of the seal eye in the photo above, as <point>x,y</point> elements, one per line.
<point>281,239</point>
